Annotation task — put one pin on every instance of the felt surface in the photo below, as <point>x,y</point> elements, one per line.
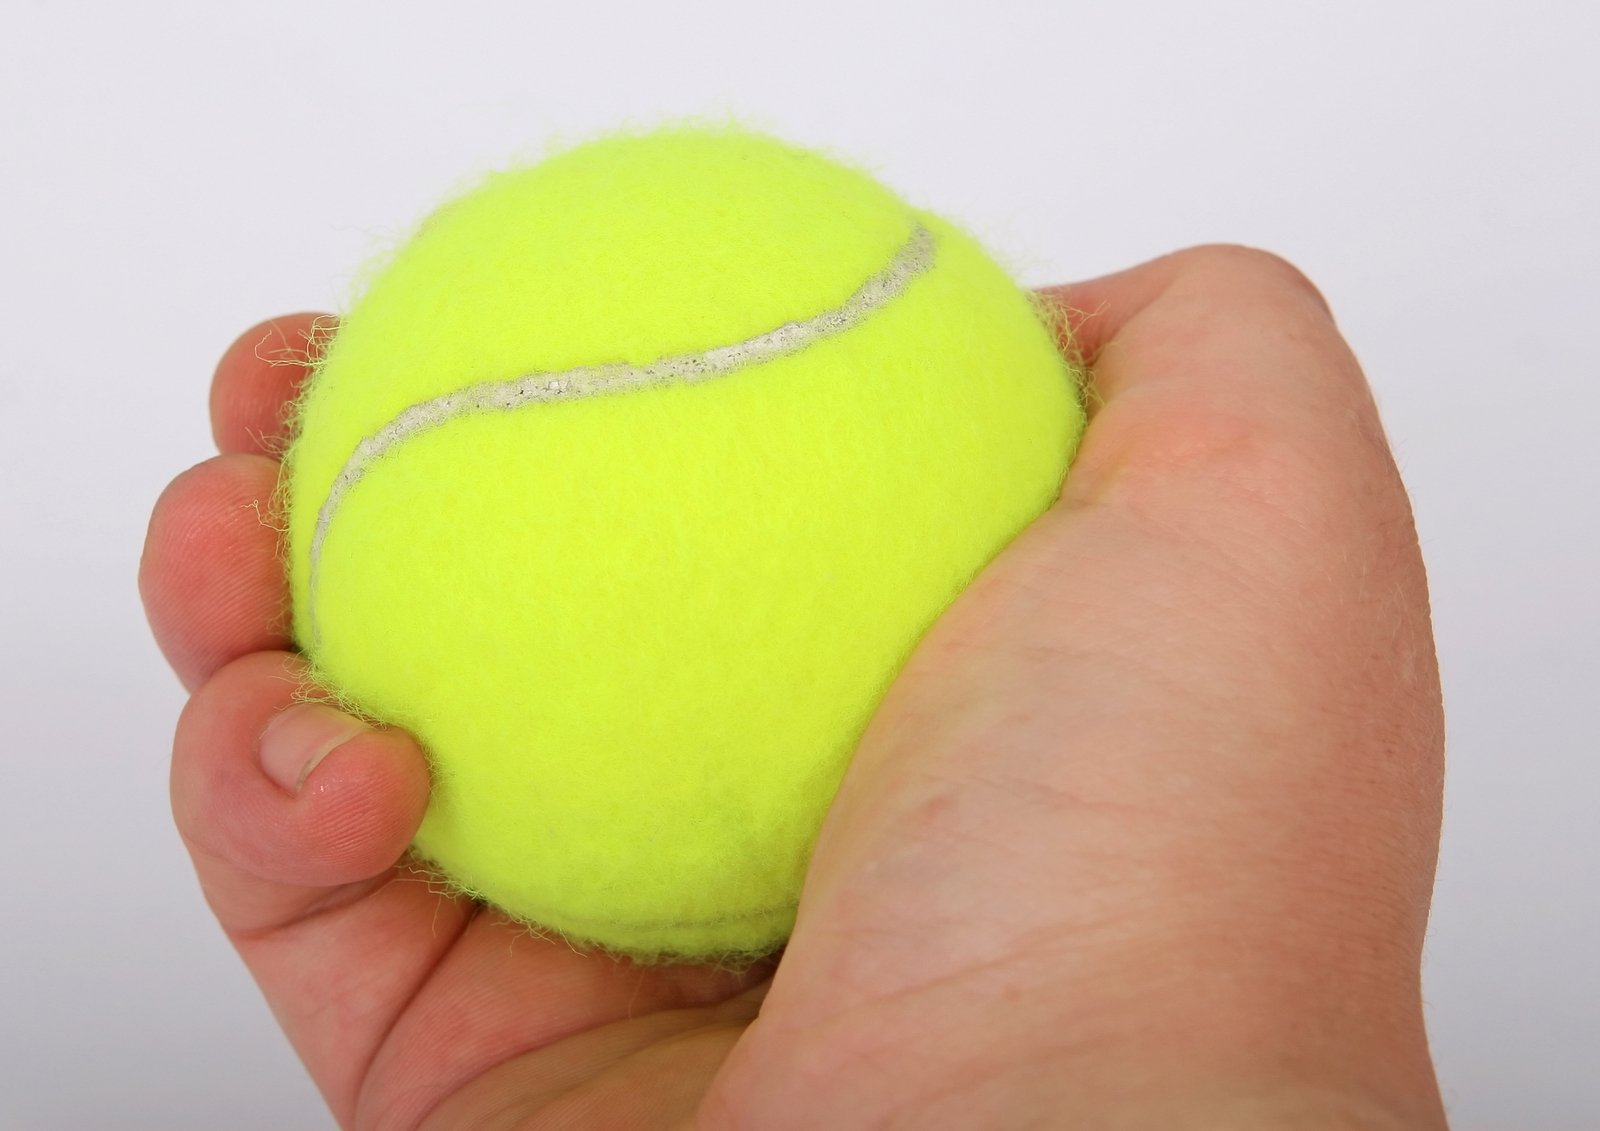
<point>640,634</point>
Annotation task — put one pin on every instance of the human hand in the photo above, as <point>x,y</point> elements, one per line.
<point>1143,836</point>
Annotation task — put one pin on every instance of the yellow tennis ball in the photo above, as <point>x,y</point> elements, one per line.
<point>629,485</point>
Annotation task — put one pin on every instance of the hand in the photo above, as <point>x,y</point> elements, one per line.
<point>1143,837</point>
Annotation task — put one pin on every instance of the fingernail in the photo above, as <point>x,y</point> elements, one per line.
<point>299,737</point>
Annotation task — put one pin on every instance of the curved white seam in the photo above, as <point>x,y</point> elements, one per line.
<point>915,256</point>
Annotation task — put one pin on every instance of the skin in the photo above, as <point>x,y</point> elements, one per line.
<point>1143,837</point>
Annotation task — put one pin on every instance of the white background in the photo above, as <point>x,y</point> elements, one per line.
<point>171,173</point>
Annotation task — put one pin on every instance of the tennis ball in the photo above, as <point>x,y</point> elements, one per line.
<point>628,486</point>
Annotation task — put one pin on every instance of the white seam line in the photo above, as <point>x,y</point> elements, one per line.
<point>914,258</point>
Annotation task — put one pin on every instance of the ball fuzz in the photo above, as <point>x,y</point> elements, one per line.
<point>629,485</point>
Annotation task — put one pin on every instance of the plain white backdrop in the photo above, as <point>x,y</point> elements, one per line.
<point>170,173</point>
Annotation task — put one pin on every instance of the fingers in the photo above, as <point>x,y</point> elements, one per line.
<point>298,816</point>
<point>258,378</point>
<point>282,800</point>
<point>210,575</point>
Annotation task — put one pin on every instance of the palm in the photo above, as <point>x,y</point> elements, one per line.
<point>504,1026</point>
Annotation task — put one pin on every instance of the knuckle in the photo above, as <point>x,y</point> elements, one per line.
<point>1207,442</point>
<point>1205,463</point>
<point>1256,266</point>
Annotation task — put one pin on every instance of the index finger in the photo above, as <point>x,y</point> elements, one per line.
<point>258,379</point>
